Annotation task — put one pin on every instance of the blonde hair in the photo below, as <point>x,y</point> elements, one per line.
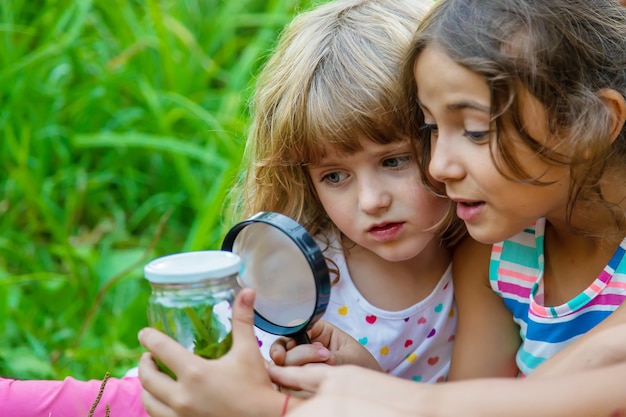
<point>333,78</point>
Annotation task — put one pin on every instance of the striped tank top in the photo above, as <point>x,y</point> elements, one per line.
<point>516,274</point>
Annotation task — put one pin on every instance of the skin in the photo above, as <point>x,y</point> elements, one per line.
<point>456,106</point>
<point>352,391</point>
<point>330,345</point>
<point>375,198</point>
<point>241,370</point>
<point>573,383</point>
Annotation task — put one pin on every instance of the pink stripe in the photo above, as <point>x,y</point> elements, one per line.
<point>616,284</point>
<point>607,300</point>
<point>509,288</point>
<point>539,310</point>
<point>515,274</point>
<point>595,288</point>
<point>496,248</point>
<point>604,276</point>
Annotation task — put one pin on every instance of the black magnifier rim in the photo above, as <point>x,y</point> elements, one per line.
<point>313,254</point>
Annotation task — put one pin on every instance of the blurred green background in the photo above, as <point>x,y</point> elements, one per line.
<point>122,125</point>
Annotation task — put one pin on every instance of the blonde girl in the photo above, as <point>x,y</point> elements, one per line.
<point>328,147</point>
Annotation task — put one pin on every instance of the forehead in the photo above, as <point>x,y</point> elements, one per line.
<point>355,143</point>
<point>444,85</point>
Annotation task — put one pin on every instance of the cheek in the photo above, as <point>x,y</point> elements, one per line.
<point>432,207</point>
<point>334,207</point>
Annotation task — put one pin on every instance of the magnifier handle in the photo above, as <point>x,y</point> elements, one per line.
<point>302,338</point>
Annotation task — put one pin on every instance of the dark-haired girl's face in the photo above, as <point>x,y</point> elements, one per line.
<point>456,103</point>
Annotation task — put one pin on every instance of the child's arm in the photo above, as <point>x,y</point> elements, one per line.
<point>349,391</point>
<point>70,397</point>
<point>487,338</point>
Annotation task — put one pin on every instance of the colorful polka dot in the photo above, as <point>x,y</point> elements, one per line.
<point>411,358</point>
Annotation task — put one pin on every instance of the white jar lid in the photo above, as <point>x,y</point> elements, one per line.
<point>188,267</point>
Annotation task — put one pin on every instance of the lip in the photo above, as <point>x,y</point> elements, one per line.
<point>387,231</point>
<point>468,210</point>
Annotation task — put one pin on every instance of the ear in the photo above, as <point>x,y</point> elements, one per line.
<point>616,104</point>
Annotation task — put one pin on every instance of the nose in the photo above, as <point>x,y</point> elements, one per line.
<point>374,196</point>
<point>444,163</point>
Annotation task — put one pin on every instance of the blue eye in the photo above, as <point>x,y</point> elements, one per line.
<point>333,178</point>
<point>397,161</point>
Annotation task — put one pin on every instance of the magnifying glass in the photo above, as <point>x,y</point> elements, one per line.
<point>286,268</point>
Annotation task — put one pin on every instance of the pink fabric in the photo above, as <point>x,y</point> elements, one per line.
<point>69,398</point>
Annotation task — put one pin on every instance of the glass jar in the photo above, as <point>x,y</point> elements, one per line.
<point>191,299</point>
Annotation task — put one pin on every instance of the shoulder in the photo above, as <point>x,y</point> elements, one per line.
<point>469,252</point>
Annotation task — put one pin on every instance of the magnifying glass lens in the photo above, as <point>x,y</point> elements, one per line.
<point>279,273</point>
<point>283,264</point>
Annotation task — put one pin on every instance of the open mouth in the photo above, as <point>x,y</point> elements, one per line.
<point>384,227</point>
<point>386,232</point>
<point>471,204</point>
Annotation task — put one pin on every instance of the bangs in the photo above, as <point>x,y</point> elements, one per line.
<point>335,120</point>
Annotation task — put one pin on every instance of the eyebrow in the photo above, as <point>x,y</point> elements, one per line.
<point>391,148</point>
<point>462,105</point>
<point>468,104</point>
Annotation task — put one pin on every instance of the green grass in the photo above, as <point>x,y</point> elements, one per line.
<point>122,125</point>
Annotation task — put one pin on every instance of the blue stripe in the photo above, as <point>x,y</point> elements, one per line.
<point>614,263</point>
<point>519,309</point>
<point>558,331</point>
<point>529,360</point>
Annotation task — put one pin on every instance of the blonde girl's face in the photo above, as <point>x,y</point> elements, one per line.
<point>375,198</point>
<point>456,106</point>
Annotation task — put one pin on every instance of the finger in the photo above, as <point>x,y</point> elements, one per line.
<point>244,338</point>
<point>302,354</point>
<point>320,332</point>
<point>279,349</point>
<point>155,382</point>
<point>154,407</point>
<point>305,378</point>
<point>166,349</point>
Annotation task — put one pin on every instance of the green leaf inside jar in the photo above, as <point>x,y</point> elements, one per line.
<point>211,338</point>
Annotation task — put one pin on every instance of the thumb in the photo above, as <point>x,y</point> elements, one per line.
<point>243,321</point>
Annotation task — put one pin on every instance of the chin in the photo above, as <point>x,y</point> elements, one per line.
<point>488,237</point>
